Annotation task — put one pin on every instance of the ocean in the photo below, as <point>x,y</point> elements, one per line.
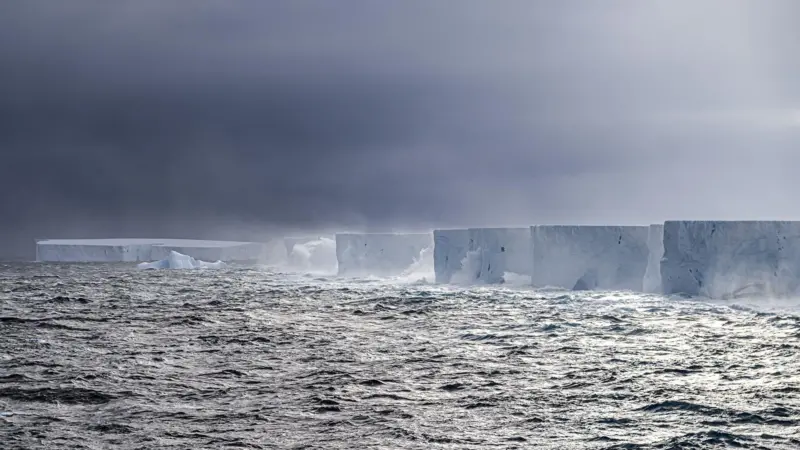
<point>108,356</point>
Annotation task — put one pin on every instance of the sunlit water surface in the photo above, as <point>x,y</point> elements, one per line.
<point>98,356</point>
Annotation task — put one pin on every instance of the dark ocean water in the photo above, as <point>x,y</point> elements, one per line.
<point>107,356</point>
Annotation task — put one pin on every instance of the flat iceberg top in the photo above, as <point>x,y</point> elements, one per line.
<point>143,241</point>
<point>734,222</point>
<point>500,228</point>
<point>378,235</point>
<point>589,227</point>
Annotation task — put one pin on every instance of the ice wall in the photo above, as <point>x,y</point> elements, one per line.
<point>655,247</point>
<point>88,251</point>
<point>450,249</point>
<point>725,259</point>
<point>590,257</point>
<point>500,250</point>
<point>132,250</point>
<point>380,254</point>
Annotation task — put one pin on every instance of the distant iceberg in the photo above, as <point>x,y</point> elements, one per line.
<point>146,249</point>
<point>177,260</point>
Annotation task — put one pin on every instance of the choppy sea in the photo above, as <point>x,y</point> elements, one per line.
<point>108,356</point>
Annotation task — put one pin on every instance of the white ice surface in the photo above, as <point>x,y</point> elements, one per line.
<point>724,259</point>
<point>379,254</point>
<point>450,249</point>
<point>139,249</point>
<point>655,248</point>
<point>175,260</point>
<point>590,257</point>
<point>499,250</point>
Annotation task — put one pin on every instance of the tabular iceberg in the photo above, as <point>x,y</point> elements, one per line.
<point>133,250</point>
<point>500,250</point>
<point>589,257</point>
<point>724,259</point>
<point>177,260</point>
<point>380,254</point>
<point>655,247</point>
<point>449,250</point>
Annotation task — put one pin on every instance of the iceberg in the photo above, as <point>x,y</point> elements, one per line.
<point>177,260</point>
<point>728,259</point>
<point>449,250</point>
<point>379,254</point>
<point>590,257</point>
<point>498,251</point>
<point>655,247</point>
<point>134,250</point>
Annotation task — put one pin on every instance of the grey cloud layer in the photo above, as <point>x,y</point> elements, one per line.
<point>173,117</point>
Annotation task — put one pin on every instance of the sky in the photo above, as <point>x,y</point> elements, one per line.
<point>219,119</point>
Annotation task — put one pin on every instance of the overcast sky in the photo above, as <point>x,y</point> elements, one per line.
<point>206,118</point>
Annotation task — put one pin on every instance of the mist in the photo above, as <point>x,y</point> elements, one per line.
<point>250,120</point>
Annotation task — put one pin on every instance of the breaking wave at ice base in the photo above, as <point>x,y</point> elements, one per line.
<point>177,260</point>
<point>471,266</point>
<point>317,256</point>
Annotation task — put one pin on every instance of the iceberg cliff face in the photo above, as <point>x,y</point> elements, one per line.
<point>82,251</point>
<point>383,254</point>
<point>450,249</point>
<point>589,257</point>
<point>500,250</point>
<point>491,252</point>
<point>725,259</point>
<point>132,250</point>
<point>655,246</point>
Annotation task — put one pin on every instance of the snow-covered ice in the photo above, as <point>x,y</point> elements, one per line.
<point>724,259</point>
<point>589,257</point>
<point>379,254</point>
<point>139,249</point>
<point>655,247</point>
<point>175,260</point>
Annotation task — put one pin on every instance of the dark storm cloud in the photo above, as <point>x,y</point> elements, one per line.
<point>155,117</point>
